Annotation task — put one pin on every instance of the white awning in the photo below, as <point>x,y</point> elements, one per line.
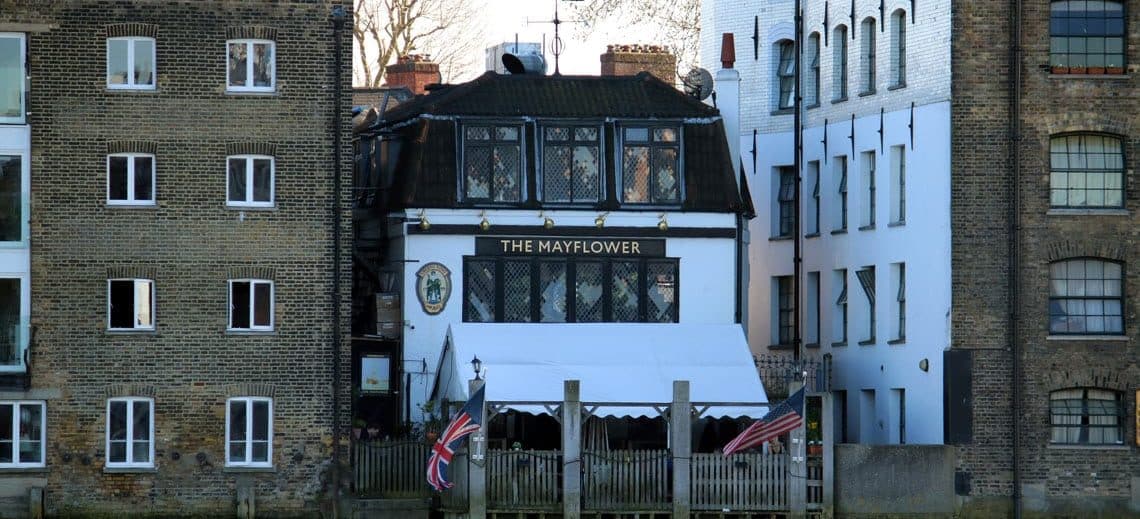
<point>614,362</point>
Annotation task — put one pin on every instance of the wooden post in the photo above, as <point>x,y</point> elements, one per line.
<point>827,415</point>
<point>477,470</point>
<point>681,436</point>
<point>797,463</point>
<point>571,450</point>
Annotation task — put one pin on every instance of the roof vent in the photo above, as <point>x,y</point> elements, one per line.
<point>530,63</point>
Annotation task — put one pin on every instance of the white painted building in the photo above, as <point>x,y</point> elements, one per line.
<point>875,192</point>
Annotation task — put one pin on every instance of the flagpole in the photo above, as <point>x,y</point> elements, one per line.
<point>476,469</point>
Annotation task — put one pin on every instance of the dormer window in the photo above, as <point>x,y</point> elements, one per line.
<point>492,163</point>
<point>651,165</point>
<point>571,165</point>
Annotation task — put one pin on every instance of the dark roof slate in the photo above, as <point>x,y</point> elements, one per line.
<point>495,95</point>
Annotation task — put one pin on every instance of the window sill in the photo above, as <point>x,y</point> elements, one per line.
<point>780,347</point>
<point>251,207</point>
<point>839,231</point>
<point>897,86</point>
<point>138,89</point>
<point>129,470</point>
<point>868,342</point>
<point>1113,338</point>
<point>254,93</point>
<point>812,235</point>
<point>127,331</point>
<point>251,332</point>
<point>837,344</point>
<point>1090,76</point>
<point>812,106</point>
<point>812,345</point>
<point>780,238</point>
<point>867,227</point>
<point>1090,447</point>
<point>839,100</point>
<point>867,93</point>
<point>1091,212</point>
<point>131,205</point>
<point>24,470</point>
<point>895,342</point>
<point>783,111</point>
<point>900,223</point>
<point>248,470</point>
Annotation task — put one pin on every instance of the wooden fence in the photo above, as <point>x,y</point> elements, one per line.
<point>745,481</point>
<point>455,498</point>
<point>627,480</point>
<point>529,480</point>
<point>392,469</point>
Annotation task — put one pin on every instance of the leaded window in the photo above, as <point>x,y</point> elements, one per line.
<point>1086,170</point>
<point>511,289</point>
<point>1086,37</point>
<point>571,164</point>
<point>1087,416</point>
<point>651,167</point>
<point>1085,297</point>
<point>785,73</point>
<point>492,163</point>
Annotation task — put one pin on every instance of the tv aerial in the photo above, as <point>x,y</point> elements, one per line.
<point>556,46</point>
<point>698,83</point>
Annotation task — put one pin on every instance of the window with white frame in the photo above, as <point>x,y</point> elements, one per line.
<point>898,275</point>
<point>1087,416</point>
<point>840,192</point>
<point>867,56</point>
<point>867,164</point>
<point>866,276</point>
<point>22,426</point>
<point>1086,297</point>
<point>13,321</point>
<point>251,66</point>
<point>250,180</point>
<point>786,73</point>
<point>130,179</point>
<point>1086,170</point>
<point>251,305</point>
<point>898,184</point>
<point>130,304</point>
<point>839,319</point>
<point>813,78</point>
<point>130,63</point>
<point>813,210</point>
<point>839,64</point>
<point>249,432</point>
<point>13,94</point>
<point>130,432</point>
<point>13,200</point>
<point>786,202</point>
<point>898,48</point>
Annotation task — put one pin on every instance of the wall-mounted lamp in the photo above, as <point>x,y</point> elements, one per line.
<point>424,223</point>
<point>924,365</point>
<point>662,223</point>
<point>600,221</point>
<point>547,222</point>
<point>484,224</point>
<point>477,365</point>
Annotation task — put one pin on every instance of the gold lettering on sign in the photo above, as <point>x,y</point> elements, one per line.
<point>543,246</point>
<point>584,246</point>
<point>505,243</point>
<point>636,248</point>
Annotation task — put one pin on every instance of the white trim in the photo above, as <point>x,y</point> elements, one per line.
<point>248,401</point>
<point>136,309</point>
<point>22,118</point>
<point>130,84</point>
<point>129,463</point>
<point>249,201</point>
<point>131,200</point>
<point>248,86</point>
<point>15,432</point>
<point>252,304</point>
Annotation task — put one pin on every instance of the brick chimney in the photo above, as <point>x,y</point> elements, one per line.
<point>627,60</point>
<point>414,71</point>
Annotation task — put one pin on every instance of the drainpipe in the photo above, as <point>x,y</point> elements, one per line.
<point>1014,223</point>
<point>797,164</point>
<point>335,115</point>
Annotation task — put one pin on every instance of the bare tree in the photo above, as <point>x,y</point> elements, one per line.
<point>448,30</point>
<point>676,22</point>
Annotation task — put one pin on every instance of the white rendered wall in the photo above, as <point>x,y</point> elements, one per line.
<point>707,273</point>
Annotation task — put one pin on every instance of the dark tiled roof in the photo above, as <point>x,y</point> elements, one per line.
<point>494,95</point>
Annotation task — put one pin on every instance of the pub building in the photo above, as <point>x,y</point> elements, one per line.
<point>555,227</point>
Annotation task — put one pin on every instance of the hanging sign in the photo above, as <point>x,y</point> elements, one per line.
<point>433,286</point>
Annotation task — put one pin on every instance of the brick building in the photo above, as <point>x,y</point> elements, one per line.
<point>178,163</point>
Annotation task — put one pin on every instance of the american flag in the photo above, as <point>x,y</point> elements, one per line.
<point>464,423</point>
<point>786,416</point>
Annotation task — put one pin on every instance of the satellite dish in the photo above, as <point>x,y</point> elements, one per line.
<point>524,63</point>
<point>698,83</point>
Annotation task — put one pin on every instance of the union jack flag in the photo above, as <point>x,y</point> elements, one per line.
<point>466,422</point>
<point>784,417</point>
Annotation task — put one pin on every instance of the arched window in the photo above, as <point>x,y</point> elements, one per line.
<point>898,48</point>
<point>786,73</point>
<point>1086,170</point>
<point>812,94</point>
<point>1085,297</point>
<point>1086,416</point>
<point>839,64</point>
<point>1086,37</point>
<point>867,57</point>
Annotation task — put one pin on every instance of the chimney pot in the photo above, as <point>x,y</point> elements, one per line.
<point>727,50</point>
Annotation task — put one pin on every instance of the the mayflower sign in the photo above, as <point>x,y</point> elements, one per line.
<point>568,247</point>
